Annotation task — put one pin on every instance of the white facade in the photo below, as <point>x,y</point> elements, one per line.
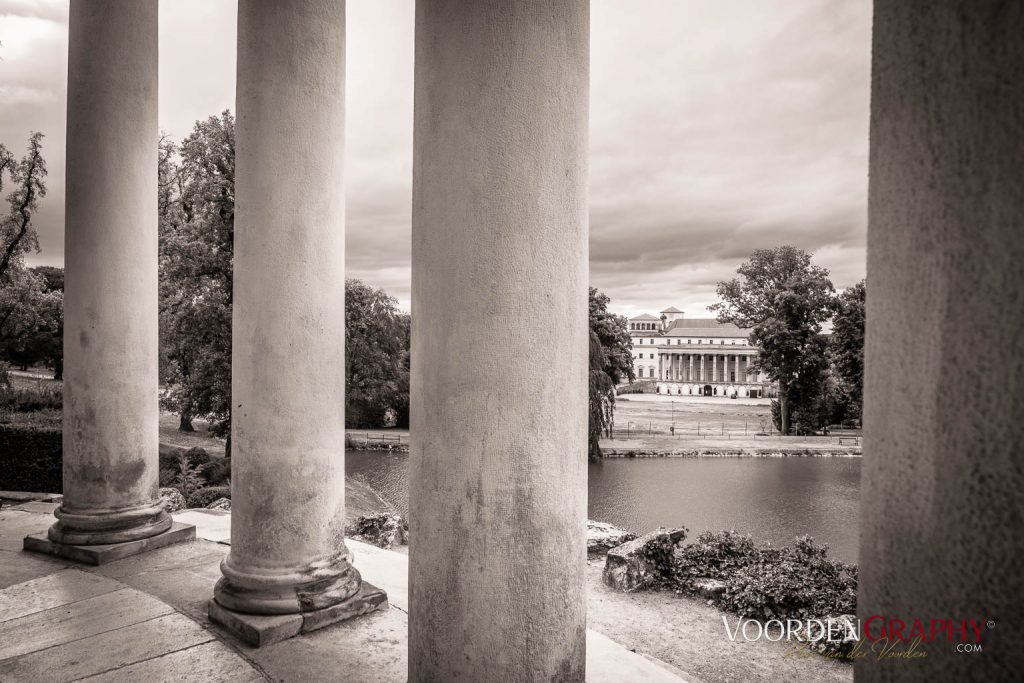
<point>695,356</point>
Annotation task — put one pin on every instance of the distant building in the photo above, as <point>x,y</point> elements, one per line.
<point>695,356</point>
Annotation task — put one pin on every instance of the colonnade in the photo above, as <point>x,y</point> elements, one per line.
<point>498,490</point>
<point>707,367</point>
<point>499,234</point>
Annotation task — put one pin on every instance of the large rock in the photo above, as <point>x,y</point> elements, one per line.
<point>642,562</point>
<point>385,530</point>
<point>220,504</point>
<point>602,537</point>
<point>173,500</point>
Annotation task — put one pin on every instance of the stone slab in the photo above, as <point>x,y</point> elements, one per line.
<point>17,566</point>
<point>106,652</point>
<point>211,661</point>
<point>102,554</point>
<point>261,630</point>
<point>211,525</point>
<point>25,496</point>
<point>46,592</point>
<point>17,524</point>
<point>40,507</point>
<point>77,620</point>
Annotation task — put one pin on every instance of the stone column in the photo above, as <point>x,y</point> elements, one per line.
<point>110,308</point>
<point>941,479</point>
<point>288,553</point>
<point>499,238</point>
<point>690,373</point>
<point>703,378</point>
<point>714,367</point>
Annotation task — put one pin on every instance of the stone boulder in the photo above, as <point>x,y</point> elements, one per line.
<point>173,500</point>
<point>220,504</point>
<point>602,537</point>
<point>384,530</point>
<point>711,589</point>
<point>643,562</point>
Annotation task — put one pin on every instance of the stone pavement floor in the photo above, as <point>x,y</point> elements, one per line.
<point>143,618</point>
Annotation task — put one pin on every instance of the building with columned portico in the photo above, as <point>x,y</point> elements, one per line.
<point>696,356</point>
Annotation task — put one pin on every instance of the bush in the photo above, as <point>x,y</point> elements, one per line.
<point>31,453</point>
<point>32,398</point>
<point>202,497</point>
<point>715,556</point>
<point>197,456</point>
<point>793,582</point>
<point>216,472</point>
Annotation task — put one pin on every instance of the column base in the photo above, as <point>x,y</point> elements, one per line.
<point>259,630</point>
<point>101,554</point>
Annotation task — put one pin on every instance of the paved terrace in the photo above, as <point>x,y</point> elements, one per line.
<point>144,618</point>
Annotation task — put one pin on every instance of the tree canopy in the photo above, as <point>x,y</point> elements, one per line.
<point>196,204</point>
<point>31,306</point>
<point>611,363</point>
<point>377,343</point>
<point>847,344</point>
<point>784,298</point>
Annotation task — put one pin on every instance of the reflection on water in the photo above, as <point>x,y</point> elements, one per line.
<point>773,499</point>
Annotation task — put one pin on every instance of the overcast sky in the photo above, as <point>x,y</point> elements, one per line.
<point>717,126</point>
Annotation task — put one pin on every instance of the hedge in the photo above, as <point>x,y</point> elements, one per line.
<point>31,456</point>
<point>204,496</point>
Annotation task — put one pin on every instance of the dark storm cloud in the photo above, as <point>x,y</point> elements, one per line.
<point>716,128</point>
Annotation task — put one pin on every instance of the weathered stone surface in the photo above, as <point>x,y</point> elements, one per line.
<point>101,554</point>
<point>173,500</point>
<point>642,562</point>
<point>384,530</point>
<point>712,589</point>
<point>220,504</point>
<point>77,620</point>
<point>107,652</point>
<point>602,537</point>
<point>259,630</point>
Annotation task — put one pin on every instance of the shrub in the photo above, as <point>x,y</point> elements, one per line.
<point>202,497</point>
<point>197,456</point>
<point>216,472</point>
<point>797,581</point>
<point>186,478</point>
<point>31,447</point>
<point>31,398</point>
<point>715,556</point>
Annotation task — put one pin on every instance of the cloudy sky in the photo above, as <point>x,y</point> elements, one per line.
<point>717,126</point>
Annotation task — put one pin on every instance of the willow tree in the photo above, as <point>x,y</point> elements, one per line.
<point>784,299</point>
<point>611,363</point>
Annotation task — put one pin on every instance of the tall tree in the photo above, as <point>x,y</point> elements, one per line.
<point>30,311</point>
<point>611,363</point>
<point>784,298</point>
<point>196,205</point>
<point>376,358</point>
<point>847,343</point>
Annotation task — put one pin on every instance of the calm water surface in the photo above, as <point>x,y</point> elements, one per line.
<point>773,499</point>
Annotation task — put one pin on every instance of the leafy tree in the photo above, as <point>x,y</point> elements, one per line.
<point>785,299</point>
<point>31,311</point>
<point>611,362</point>
<point>847,344</point>
<point>196,204</point>
<point>377,343</point>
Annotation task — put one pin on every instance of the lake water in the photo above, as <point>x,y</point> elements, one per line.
<point>773,499</point>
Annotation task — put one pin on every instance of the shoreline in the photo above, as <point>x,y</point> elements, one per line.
<point>637,453</point>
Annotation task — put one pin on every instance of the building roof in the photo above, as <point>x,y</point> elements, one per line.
<point>705,327</point>
<point>645,316</point>
<point>671,309</point>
